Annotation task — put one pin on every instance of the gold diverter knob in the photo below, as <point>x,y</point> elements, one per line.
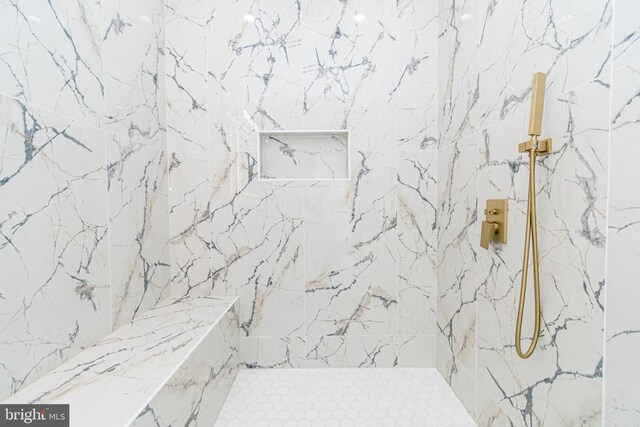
<point>494,228</point>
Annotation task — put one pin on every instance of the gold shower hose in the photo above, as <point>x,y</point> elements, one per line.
<point>530,237</point>
<point>535,148</point>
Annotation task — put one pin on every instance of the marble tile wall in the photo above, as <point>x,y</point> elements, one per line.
<point>330,273</point>
<point>572,204</point>
<point>134,126</point>
<point>83,182</point>
<point>488,52</point>
<point>622,350</point>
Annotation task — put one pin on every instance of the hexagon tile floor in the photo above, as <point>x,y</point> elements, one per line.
<point>342,397</point>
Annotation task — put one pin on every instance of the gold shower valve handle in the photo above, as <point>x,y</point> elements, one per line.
<point>494,228</point>
<point>488,233</point>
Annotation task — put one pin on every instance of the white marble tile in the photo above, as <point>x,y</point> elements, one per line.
<point>351,351</point>
<point>458,87</point>
<point>133,57</point>
<point>53,246</point>
<point>186,25</point>
<point>256,247</point>
<point>190,191</point>
<point>272,352</point>
<point>254,70</point>
<point>417,74</point>
<point>626,32</point>
<point>52,56</point>
<point>417,237</point>
<point>489,413</point>
<point>563,378</point>
<point>462,381</point>
<point>457,249</point>
<point>129,366</point>
<point>347,397</point>
<point>622,399</point>
<point>568,40</point>
<point>138,226</point>
<point>349,67</point>
<point>416,351</point>
<point>270,308</point>
<point>309,258</point>
<point>351,251</point>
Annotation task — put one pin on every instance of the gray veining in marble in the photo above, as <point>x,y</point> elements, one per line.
<point>133,125</point>
<point>83,177</point>
<point>52,56</point>
<point>54,241</point>
<point>622,400</point>
<point>318,264</point>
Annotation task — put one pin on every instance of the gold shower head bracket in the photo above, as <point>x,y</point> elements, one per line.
<point>542,147</point>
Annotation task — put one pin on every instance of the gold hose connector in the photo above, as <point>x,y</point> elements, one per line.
<point>535,148</point>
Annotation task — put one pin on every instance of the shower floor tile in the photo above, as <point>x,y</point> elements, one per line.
<point>342,397</point>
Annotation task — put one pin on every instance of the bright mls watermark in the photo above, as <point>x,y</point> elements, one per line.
<point>34,415</point>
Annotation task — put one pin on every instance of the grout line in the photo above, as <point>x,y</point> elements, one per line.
<point>603,404</point>
<point>106,161</point>
<point>109,230</point>
<point>304,273</point>
<point>476,231</point>
<point>398,154</point>
<point>397,243</point>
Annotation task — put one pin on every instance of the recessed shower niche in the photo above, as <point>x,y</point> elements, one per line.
<point>303,155</point>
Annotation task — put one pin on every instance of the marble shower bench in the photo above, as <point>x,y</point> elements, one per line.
<point>173,365</point>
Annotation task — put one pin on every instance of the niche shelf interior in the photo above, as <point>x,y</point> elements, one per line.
<point>303,155</point>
